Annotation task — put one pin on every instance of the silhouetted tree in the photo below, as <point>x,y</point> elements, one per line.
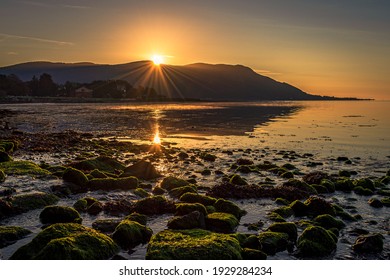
<point>12,85</point>
<point>46,85</point>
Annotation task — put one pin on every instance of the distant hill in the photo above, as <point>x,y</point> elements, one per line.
<point>194,81</point>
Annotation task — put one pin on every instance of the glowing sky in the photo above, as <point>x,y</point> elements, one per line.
<point>333,47</point>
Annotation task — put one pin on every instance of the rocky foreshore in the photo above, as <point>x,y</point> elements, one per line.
<point>69,178</point>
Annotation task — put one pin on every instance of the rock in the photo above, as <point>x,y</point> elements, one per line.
<point>129,234</point>
<point>102,163</point>
<point>300,185</point>
<point>81,205</point>
<point>67,242</point>
<point>182,155</point>
<point>226,206</point>
<point>106,225</point>
<point>365,183</point>
<point>275,217</point>
<point>287,175</point>
<point>192,220</point>
<point>289,166</point>
<point>158,191</point>
<point>4,157</point>
<point>244,161</point>
<point>300,209</point>
<point>386,201</point>
<point>118,207</point>
<point>169,183</point>
<point>178,192</point>
<point>344,185</point>
<point>142,170</point>
<point>282,201</point>
<point>342,213</point>
<point>186,208</point>
<point>316,242</point>
<point>2,176</point>
<point>25,202</point>
<point>237,180</point>
<point>273,242</point>
<point>59,214</point>
<point>137,217</point>
<point>287,227</point>
<point>221,222</point>
<point>362,191</point>
<point>95,208</point>
<point>370,243</point>
<point>319,188</point>
<point>109,184</point>
<point>327,221</point>
<point>374,202</point>
<point>7,146</point>
<point>96,173</point>
<point>11,234</point>
<point>206,172</point>
<point>75,176</point>
<point>22,168</point>
<point>253,254</point>
<point>317,206</point>
<point>197,198</point>
<point>328,184</point>
<point>208,157</point>
<point>342,158</point>
<point>154,205</point>
<point>194,244</point>
<point>284,211</point>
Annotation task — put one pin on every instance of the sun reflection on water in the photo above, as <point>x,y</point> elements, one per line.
<point>157,139</point>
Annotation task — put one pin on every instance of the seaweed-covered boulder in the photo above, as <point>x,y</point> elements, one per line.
<point>284,211</point>
<point>8,146</point>
<point>369,243</point>
<point>178,192</point>
<point>344,185</point>
<point>142,170</point>
<point>365,183</point>
<point>286,227</point>
<point>362,191</point>
<point>300,209</point>
<point>75,176</point>
<point>244,161</point>
<point>129,234</point>
<point>26,202</point>
<point>154,205</point>
<point>106,225</point>
<point>137,217</point>
<point>4,157</point>
<point>327,221</point>
<point>118,207</point>
<point>2,176</point>
<point>95,208</point>
<point>186,208</point>
<point>96,173</point>
<point>67,242</point>
<point>300,186</point>
<point>197,198</point>
<point>59,214</point>
<point>221,222</point>
<point>238,180</point>
<point>171,182</point>
<point>22,167</point>
<point>253,254</point>
<point>375,202</point>
<point>110,184</point>
<point>315,177</point>
<point>273,242</point>
<point>102,163</point>
<point>10,234</point>
<point>192,220</point>
<point>226,206</point>
<point>386,201</point>
<point>328,184</point>
<point>318,206</point>
<point>194,244</point>
<point>207,157</point>
<point>316,242</point>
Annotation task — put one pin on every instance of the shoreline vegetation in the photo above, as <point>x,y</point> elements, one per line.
<point>122,189</point>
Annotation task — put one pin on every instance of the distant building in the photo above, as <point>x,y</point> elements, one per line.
<point>83,92</point>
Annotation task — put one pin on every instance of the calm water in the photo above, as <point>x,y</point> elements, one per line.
<point>358,130</point>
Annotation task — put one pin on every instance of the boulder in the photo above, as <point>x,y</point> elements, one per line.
<point>197,198</point>
<point>226,206</point>
<point>369,243</point>
<point>194,244</point>
<point>75,176</point>
<point>4,157</point>
<point>316,242</point>
<point>154,205</point>
<point>192,220</point>
<point>238,180</point>
<point>221,222</point>
<point>25,202</point>
<point>110,184</point>
<point>273,242</point>
<point>11,234</point>
<point>375,202</point>
<point>59,214</point>
<point>178,192</point>
<point>106,225</point>
<point>318,206</point>
<point>129,234</point>
<point>142,170</point>
<point>21,167</point>
<point>285,227</point>
<point>67,242</point>
<point>327,221</point>
<point>171,182</point>
<point>137,217</point>
<point>253,254</point>
<point>186,208</point>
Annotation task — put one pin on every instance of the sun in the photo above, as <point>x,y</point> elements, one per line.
<point>157,139</point>
<point>157,59</point>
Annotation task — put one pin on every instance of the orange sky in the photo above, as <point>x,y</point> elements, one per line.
<point>339,48</point>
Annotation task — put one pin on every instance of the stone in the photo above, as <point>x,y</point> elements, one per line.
<point>171,182</point>
<point>75,176</point>
<point>369,243</point>
<point>327,221</point>
<point>154,205</point>
<point>102,163</point>
<point>11,234</point>
<point>142,170</point>
<point>316,242</point>
<point>59,214</point>
<point>129,234</point>
<point>273,242</point>
<point>197,198</point>
<point>186,208</point>
<point>226,206</point>
<point>374,202</point>
<point>286,227</point>
<point>192,220</point>
<point>110,184</point>
<point>221,222</point>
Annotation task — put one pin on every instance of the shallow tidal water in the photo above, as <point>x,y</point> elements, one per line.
<point>359,130</point>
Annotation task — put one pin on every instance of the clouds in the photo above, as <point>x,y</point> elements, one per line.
<point>6,37</point>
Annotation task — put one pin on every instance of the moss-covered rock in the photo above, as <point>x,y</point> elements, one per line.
<point>2,176</point>
<point>97,174</point>
<point>137,217</point>
<point>273,242</point>
<point>142,170</point>
<point>11,234</point>
<point>386,201</point>
<point>221,222</point>
<point>192,220</point>
<point>275,217</point>
<point>186,208</point>
<point>178,192</point>
<point>67,242</point>
<point>343,214</point>
<point>282,201</point>
<point>154,205</point>
<point>284,211</point>
<point>22,168</point>
<point>197,198</point>
<point>195,244</point>
<point>129,234</point>
<point>375,202</point>
<point>344,185</point>
<point>26,202</point>
<point>320,188</point>
<point>328,184</point>
<point>327,221</point>
<point>4,157</point>
<point>226,206</point>
<point>316,242</point>
<point>287,175</point>
<point>238,180</point>
<point>370,243</point>
<point>366,183</point>
<point>318,206</point>
<point>287,227</point>
<point>7,146</point>
<point>208,157</point>
<point>300,185</point>
<point>102,163</point>
<point>59,214</point>
<point>171,182</point>
<point>253,254</point>
<point>75,176</point>
<point>106,225</point>
<point>95,208</point>
<point>362,191</point>
<point>109,184</point>
<point>300,209</point>
<point>81,205</point>
<point>141,192</point>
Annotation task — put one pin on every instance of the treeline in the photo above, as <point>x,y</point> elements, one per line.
<point>44,86</point>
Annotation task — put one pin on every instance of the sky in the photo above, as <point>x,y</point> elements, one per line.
<point>335,47</point>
